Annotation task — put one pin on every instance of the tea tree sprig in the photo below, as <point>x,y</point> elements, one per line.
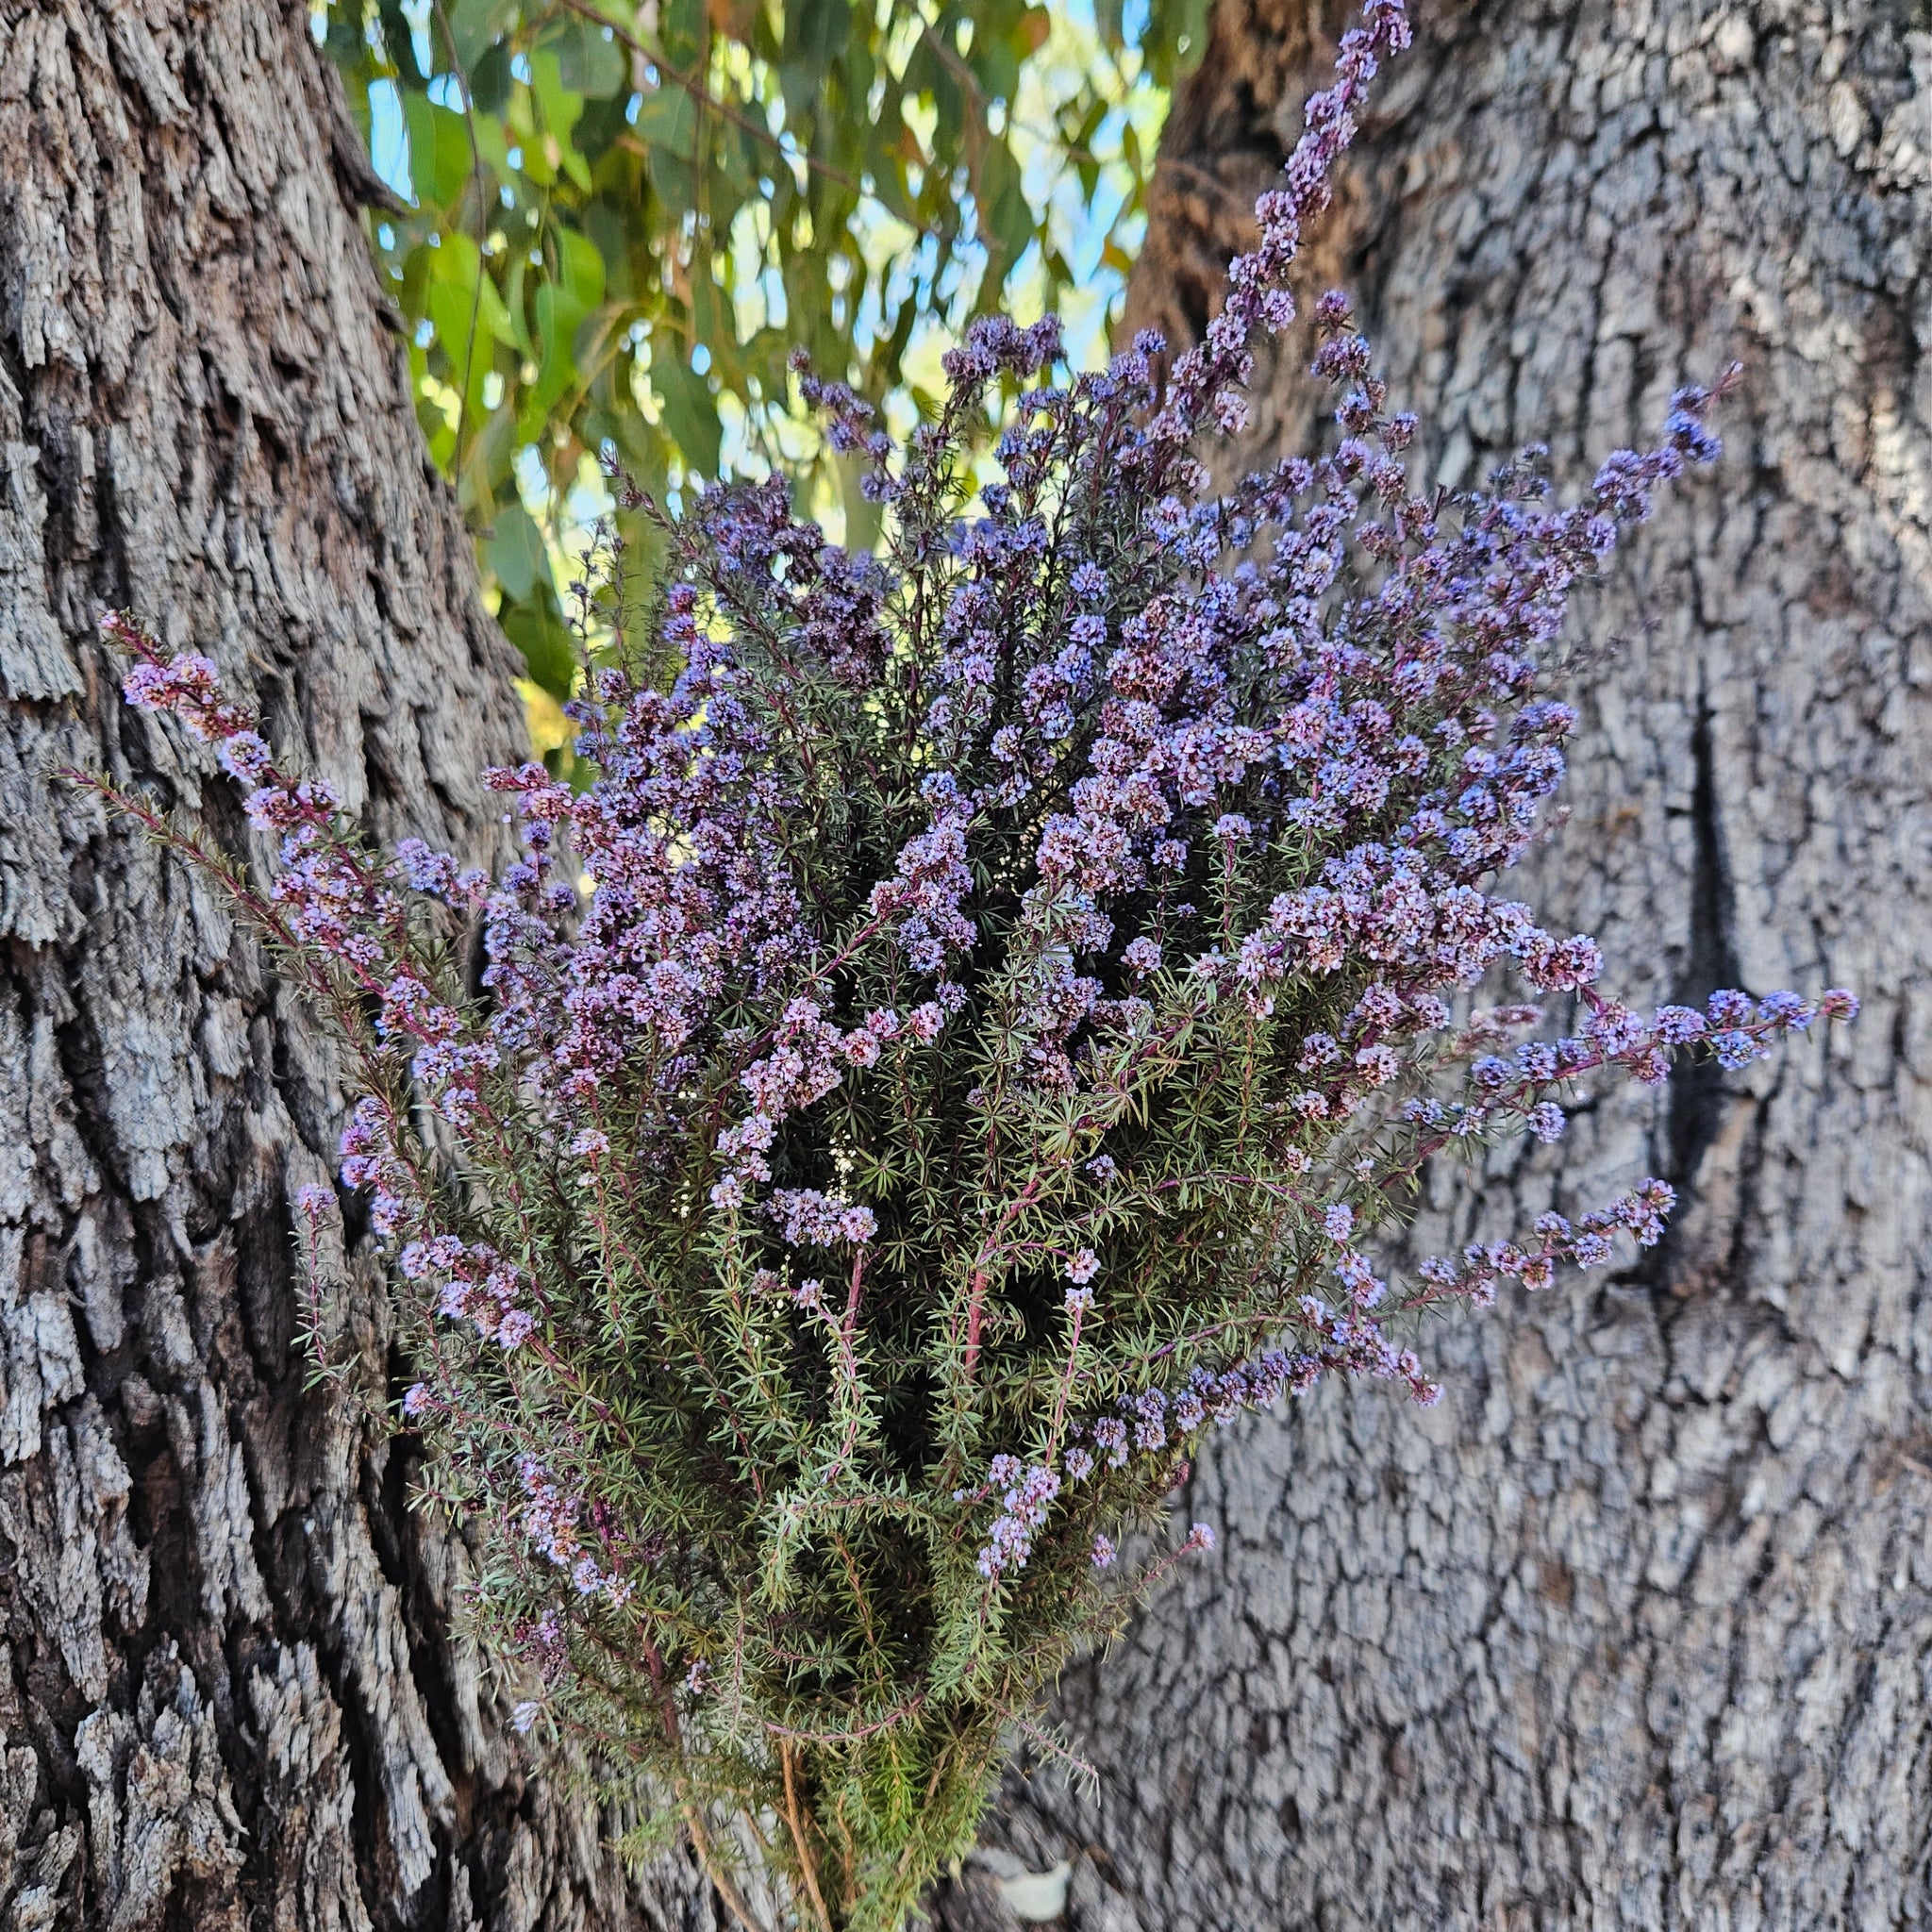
<point>962,1045</point>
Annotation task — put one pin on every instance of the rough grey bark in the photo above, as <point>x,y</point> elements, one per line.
<point>227,1693</point>
<point>1633,1630</point>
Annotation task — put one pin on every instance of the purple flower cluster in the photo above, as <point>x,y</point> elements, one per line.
<point>808,1217</point>
<point>1027,1494</point>
<point>552,1521</point>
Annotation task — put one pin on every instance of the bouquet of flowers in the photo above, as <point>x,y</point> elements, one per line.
<point>958,1046</point>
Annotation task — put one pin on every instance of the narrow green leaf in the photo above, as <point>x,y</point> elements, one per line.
<point>441,164</point>
<point>690,411</point>
<point>517,553</point>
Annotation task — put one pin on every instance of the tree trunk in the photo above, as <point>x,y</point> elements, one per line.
<point>227,1689</point>
<point>1634,1629</point>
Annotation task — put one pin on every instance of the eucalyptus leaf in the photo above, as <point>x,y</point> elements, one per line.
<point>588,60</point>
<point>691,413</point>
<point>517,553</point>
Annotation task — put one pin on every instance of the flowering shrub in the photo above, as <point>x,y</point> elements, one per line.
<point>958,1047</point>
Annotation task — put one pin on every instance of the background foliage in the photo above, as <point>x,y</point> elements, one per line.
<point>615,218</point>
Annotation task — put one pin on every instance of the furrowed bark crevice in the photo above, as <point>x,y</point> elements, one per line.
<point>1701,1095</point>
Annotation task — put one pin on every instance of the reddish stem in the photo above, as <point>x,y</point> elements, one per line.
<point>975,1314</point>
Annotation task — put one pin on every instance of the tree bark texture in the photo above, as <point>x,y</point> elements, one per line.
<point>1633,1630</point>
<point>228,1688</point>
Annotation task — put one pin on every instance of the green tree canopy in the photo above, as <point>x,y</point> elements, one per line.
<point>614,219</point>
